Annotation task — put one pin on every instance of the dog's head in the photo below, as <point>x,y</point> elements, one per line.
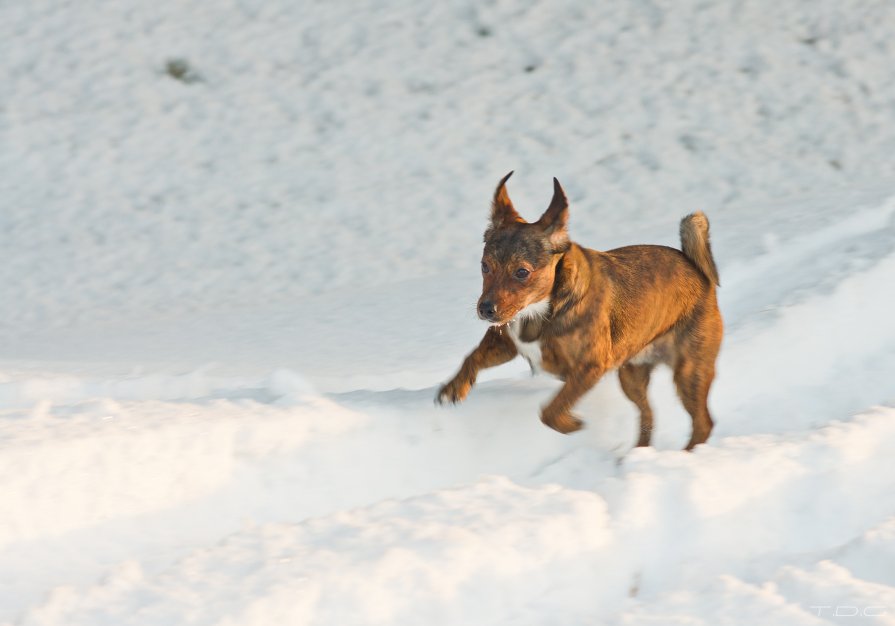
<point>519,261</point>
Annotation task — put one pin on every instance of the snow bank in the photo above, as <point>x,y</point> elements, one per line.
<point>733,521</point>
<point>100,460</point>
<point>428,559</point>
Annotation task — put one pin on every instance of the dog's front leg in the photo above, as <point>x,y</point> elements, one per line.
<point>495,349</point>
<point>557,414</point>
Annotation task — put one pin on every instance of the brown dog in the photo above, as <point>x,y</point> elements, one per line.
<point>578,313</point>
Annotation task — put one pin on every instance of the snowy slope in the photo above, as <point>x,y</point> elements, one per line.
<point>349,133</point>
<point>227,303</point>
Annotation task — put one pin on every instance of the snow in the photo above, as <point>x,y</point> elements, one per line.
<point>228,302</point>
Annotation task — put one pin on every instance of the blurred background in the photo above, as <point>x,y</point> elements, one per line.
<point>171,162</point>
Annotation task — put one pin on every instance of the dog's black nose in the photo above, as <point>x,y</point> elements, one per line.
<point>487,310</point>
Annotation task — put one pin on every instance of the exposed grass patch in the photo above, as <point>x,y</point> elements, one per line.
<point>180,69</point>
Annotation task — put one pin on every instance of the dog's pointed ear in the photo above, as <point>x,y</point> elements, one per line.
<point>555,219</point>
<point>502,210</point>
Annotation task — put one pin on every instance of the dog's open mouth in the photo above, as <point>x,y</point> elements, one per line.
<point>506,322</point>
<point>539,309</point>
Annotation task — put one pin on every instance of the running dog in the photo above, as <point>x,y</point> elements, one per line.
<point>577,313</point>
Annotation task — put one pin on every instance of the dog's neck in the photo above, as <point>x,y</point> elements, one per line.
<point>530,321</point>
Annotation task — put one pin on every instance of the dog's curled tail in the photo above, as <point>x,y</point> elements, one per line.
<point>695,244</point>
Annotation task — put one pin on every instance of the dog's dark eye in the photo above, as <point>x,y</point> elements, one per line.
<point>522,273</point>
<point>485,268</point>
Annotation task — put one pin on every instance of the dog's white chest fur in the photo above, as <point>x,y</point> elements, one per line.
<point>530,350</point>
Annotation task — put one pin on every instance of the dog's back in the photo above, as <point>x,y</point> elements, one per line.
<point>654,288</point>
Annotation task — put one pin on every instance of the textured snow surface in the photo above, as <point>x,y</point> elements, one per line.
<point>350,134</point>
<point>229,295</point>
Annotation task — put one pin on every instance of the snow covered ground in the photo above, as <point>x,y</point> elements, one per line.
<point>228,299</point>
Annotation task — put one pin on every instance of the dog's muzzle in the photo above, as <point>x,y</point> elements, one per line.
<point>488,311</point>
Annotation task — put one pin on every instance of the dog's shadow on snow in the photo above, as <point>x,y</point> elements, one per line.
<point>498,426</point>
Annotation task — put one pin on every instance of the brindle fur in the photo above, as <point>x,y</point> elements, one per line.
<point>629,308</point>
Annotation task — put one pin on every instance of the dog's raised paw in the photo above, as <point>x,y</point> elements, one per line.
<point>564,423</point>
<point>452,393</point>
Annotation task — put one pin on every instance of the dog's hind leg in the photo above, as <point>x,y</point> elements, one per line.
<point>635,380</point>
<point>697,346</point>
<point>693,379</point>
